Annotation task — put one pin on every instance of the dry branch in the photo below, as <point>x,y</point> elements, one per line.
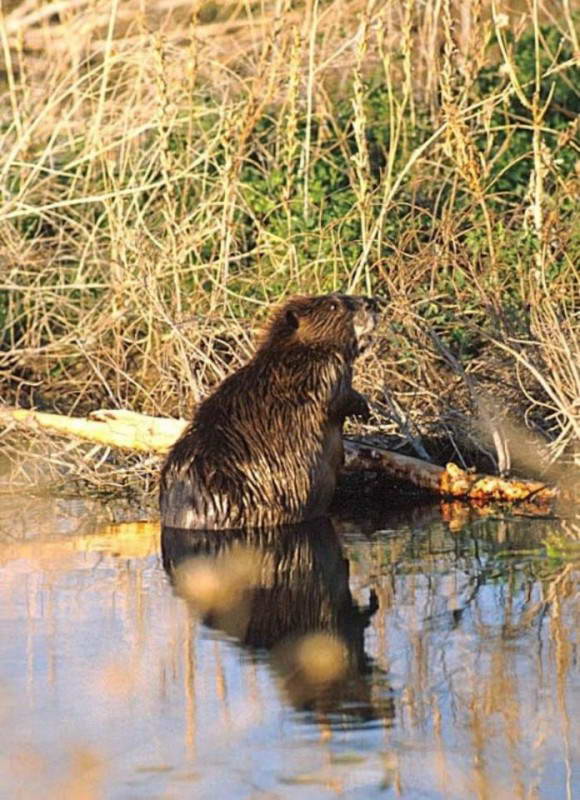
<point>138,432</point>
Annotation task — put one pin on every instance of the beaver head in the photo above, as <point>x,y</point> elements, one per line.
<point>336,321</point>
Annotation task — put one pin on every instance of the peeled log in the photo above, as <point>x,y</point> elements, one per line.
<point>127,430</point>
<point>448,481</point>
<point>130,430</point>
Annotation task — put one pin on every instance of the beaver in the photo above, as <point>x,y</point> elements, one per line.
<point>265,448</point>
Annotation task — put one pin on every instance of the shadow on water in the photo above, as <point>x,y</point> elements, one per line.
<point>283,594</point>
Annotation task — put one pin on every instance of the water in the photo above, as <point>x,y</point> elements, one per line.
<point>405,655</point>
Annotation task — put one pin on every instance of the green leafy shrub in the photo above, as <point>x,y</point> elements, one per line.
<point>559,88</point>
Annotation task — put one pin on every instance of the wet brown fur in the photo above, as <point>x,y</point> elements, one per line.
<point>265,448</point>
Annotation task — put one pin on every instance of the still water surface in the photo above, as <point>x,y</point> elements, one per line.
<point>399,656</point>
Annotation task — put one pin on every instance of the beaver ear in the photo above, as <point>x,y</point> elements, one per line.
<point>292,319</point>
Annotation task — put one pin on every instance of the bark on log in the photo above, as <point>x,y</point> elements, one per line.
<point>138,432</point>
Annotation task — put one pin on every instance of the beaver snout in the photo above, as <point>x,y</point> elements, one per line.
<point>366,318</point>
<point>368,311</point>
<point>373,304</point>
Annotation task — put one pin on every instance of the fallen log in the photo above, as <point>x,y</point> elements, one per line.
<point>130,430</point>
<point>127,430</point>
<point>449,481</point>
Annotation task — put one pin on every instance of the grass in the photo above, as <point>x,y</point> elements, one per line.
<point>167,177</point>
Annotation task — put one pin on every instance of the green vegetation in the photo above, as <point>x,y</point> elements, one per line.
<point>161,190</point>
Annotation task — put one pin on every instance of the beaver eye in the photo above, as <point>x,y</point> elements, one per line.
<point>333,305</point>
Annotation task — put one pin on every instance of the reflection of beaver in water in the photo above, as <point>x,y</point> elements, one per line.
<point>265,448</point>
<point>277,591</point>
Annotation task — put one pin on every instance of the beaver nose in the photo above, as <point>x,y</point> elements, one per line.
<point>373,304</point>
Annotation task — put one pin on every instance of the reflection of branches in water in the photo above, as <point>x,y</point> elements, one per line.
<point>571,529</point>
<point>506,553</point>
<point>476,622</point>
<point>286,591</point>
